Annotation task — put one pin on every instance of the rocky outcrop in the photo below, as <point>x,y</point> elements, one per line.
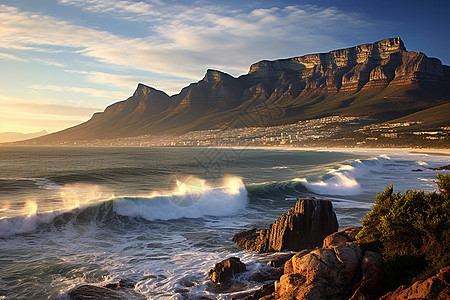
<point>339,270</point>
<point>226,269</point>
<point>341,237</point>
<point>304,226</point>
<point>436,287</point>
<point>326,273</point>
<point>305,87</point>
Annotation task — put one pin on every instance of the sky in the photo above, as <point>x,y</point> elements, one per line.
<point>63,60</point>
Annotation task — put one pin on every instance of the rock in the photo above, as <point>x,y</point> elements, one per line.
<point>270,274</point>
<point>436,287</point>
<point>304,226</point>
<point>326,273</point>
<point>373,276</point>
<point>92,292</point>
<point>226,269</point>
<point>279,259</point>
<point>121,284</point>
<point>341,237</point>
<point>417,170</point>
<point>443,168</point>
<point>265,290</point>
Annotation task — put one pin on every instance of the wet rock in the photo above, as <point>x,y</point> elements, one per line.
<point>270,274</point>
<point>304,226</point>
<point>266,290</point>
<point>92,292</point>
<point>279,259</point>
<point>122,284</point>
<point>436,287</point>
<point>443,168</point>
<point>341,237</point>
<point>226,269</point>
<point>417,170</point>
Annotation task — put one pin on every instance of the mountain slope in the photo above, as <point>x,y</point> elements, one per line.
<point>381,80</point>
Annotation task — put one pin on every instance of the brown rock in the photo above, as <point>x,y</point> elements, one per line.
<point>226,269</point>
<point>436,287</point>
<point>341,237</point>
<point>447,167</point>
<point>326,273</point>
<point>265,290</point>
<point>373,276</point>
<point>303,226</point>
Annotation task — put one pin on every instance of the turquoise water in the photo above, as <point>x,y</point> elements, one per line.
<point>164,216</point>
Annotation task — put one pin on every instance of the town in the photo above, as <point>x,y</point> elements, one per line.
<point>334,131</point>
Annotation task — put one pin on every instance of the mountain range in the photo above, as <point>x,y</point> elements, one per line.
<point>381,80</point>
<point>17,136</point>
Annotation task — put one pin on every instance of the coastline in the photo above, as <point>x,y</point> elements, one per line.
<point>427,151</point>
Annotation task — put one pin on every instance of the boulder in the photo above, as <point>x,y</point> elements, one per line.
<point>436,287</point>
<point>341,237</point>
<point>372,276</point>
<point>304,226</point>
<point>226,269</point>
<point>92,292</point>
<point>265,291</point>
<point>326,273</point>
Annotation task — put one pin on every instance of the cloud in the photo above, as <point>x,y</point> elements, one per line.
<point>182,41</point>
<point>170,85</point>
<point>43,110</point>
<point>22,115</point>
<point>11,57</point>
<point>92,92</point>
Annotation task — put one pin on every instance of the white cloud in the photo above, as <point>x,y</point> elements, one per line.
<point>92,92</point>
<point>170,86</point>
<point>184,40</point>
<point>11,57</point>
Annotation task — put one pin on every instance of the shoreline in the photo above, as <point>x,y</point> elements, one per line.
<point>427,151</point>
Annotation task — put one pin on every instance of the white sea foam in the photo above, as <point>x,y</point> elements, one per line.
<point>27,222</point>
<point>188,201</point>
<point>343,181</point>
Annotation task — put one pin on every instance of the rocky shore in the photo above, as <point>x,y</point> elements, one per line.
<point>338,268</point>
<point>326,264</point>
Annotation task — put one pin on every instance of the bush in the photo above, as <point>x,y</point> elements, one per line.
<point>411,231</point>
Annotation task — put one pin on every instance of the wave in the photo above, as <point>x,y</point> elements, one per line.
<point>191,198</point>
<point>17,183</point>
<point>344,180</point>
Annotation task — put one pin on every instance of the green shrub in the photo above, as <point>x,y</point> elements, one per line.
<point>411,231</point>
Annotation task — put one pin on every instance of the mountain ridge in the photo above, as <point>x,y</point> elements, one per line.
<point>381,80</point>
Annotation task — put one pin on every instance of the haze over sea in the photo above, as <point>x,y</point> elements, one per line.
<point>164,216</point>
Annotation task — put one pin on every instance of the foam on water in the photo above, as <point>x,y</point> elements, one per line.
<point>191,198</point>
<point>344,180</point>
<point>188,201</point>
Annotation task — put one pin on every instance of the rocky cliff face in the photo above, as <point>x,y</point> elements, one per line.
<point>381,80</point>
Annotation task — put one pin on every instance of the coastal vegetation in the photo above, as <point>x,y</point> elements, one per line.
<point>411,230</point>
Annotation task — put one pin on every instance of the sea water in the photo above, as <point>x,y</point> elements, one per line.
<point>162,217</point>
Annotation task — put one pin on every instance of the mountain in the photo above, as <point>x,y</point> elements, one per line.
<point>381,80</point>
<point>16,136</point>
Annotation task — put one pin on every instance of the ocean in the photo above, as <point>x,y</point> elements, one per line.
<point>162,217</point>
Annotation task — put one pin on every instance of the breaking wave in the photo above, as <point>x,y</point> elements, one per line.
<point>191,198</point>
<point>344,180</point>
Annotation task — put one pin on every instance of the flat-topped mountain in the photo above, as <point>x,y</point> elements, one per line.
<point>381,80</point>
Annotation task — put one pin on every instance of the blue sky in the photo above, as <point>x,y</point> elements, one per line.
<point>62,60</point>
